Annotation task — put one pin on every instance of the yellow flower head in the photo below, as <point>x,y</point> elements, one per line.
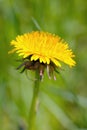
<point>44,48</point>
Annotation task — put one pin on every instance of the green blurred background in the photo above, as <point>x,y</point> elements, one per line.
<point>63,103</point>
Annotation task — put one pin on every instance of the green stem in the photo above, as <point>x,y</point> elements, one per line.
<point>33,109</point>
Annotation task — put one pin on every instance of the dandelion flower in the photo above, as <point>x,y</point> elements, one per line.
<point>42,50</point>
